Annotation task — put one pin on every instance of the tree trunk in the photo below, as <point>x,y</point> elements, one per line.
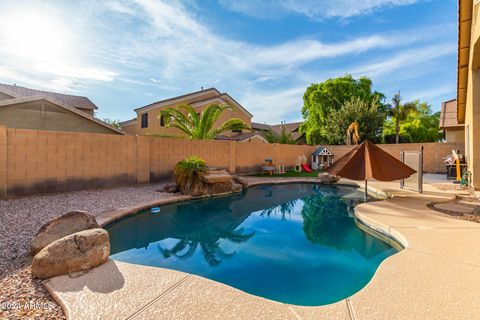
<point>397,130</point>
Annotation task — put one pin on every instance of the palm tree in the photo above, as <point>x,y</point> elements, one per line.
<point>399,112</point>
<point>199,126</point>
<point>209,241</point>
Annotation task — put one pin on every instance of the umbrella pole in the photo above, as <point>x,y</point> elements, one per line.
<point>366,191</point>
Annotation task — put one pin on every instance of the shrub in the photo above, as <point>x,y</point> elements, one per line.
<point>188,174</point>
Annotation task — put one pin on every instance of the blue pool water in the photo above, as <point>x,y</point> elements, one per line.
<point>294,243</point>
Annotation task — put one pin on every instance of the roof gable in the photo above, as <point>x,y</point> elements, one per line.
<point>322,151</point>
<point>78,102</point>
<point>195,99</point>
<point>14,101</point>
<point>192,97</point>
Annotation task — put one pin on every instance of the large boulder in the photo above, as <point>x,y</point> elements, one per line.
<point>76,252</point>
<point>240,180</point>
<point>217,177</point>
<point>70,222</point>
<point>327,178</point>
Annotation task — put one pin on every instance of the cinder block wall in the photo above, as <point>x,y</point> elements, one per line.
<point>33,162</point>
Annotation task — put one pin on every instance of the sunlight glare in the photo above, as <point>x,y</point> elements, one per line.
<point>34,36</point>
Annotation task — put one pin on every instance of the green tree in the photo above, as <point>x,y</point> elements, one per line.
<point>321,99</point>
<point>200,126</point>
<point>419,125</point>
<point>284,137</point>
<point>399,112</point>
<point>114,123</point>
<point>368,116</point>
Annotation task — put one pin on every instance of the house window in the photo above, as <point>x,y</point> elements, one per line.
<point>145,120</point>
<point>162,123</point>
<point>237,131</point>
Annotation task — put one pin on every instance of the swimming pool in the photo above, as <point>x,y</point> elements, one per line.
<point>294,243</point>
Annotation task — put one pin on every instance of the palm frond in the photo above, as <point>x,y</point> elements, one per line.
<point>231,124</point>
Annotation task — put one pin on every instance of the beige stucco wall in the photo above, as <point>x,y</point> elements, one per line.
<point>29,115</point>
<point>4,96</point>
<point>36,161</point>
<point>455,135</point>
<point>472,111</point>
<point>133,129</point>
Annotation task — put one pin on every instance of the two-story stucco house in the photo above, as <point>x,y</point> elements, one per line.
<point>148,122</point>
<point>468,83</point>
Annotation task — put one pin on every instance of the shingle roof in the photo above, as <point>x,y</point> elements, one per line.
<point>291,127</point>
<point>448,114</point>
<point>238,137</point>
<point>261,126</point>
<point>78,102</point>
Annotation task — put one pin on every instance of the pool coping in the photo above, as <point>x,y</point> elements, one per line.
<point>419,222</point>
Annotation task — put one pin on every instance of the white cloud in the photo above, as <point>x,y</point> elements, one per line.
<point>404,59</point>
<point>316,9</point>
<point>162,49</point>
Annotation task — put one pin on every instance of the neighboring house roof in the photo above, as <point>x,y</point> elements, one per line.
<point>14,101</point>
<point>448,115</point>
<point>66,99</point>
<point>292,127</point>
<point>261,126</point>
<point>322,151</point>
<point>464,32</point>
<point>240,137</point>
<point>128,122</point>
<point>197,98</point>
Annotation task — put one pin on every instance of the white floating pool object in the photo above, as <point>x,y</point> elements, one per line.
<point>155,210</point>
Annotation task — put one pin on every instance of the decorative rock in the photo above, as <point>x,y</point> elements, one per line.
<point>77,252</point>
<point>241,180</point>
<point>327,178</point>
<point>214,178</point>
<point>70,222</point>
<point>170,188</point>
<point>237,187</point>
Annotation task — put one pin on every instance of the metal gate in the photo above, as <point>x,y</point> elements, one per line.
<point>413,159</point>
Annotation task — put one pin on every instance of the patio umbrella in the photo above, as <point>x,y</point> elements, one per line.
<point>368,161</point>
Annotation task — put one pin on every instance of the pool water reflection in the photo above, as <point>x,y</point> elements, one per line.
<point>294,243</point>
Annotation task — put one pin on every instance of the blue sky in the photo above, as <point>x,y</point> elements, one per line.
<point>124,55</point>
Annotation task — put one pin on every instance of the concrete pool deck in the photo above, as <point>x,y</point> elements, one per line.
<point>436,276</point>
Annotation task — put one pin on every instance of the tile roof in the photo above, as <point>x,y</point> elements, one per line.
<point>448,114</point>
<point>78,102</point>
<point>183,96</point>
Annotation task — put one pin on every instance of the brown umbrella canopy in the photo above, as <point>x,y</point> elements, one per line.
<point>368,161</point>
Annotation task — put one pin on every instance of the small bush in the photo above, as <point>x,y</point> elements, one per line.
<point>188,174</point>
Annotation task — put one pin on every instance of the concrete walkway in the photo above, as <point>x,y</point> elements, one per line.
<point>436,276</point>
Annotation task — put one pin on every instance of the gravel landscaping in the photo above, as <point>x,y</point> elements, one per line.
<point>21,296</point>
<point>466,206</point>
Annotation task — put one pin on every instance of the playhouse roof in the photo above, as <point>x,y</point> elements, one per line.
<point>322,151</point>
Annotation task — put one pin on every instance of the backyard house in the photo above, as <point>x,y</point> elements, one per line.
<point>321,158</point>
<point>26,108</point>
<point>147,121</point>
<point>290,127</point>
<point>452,130</point>
<point>468,83</point>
